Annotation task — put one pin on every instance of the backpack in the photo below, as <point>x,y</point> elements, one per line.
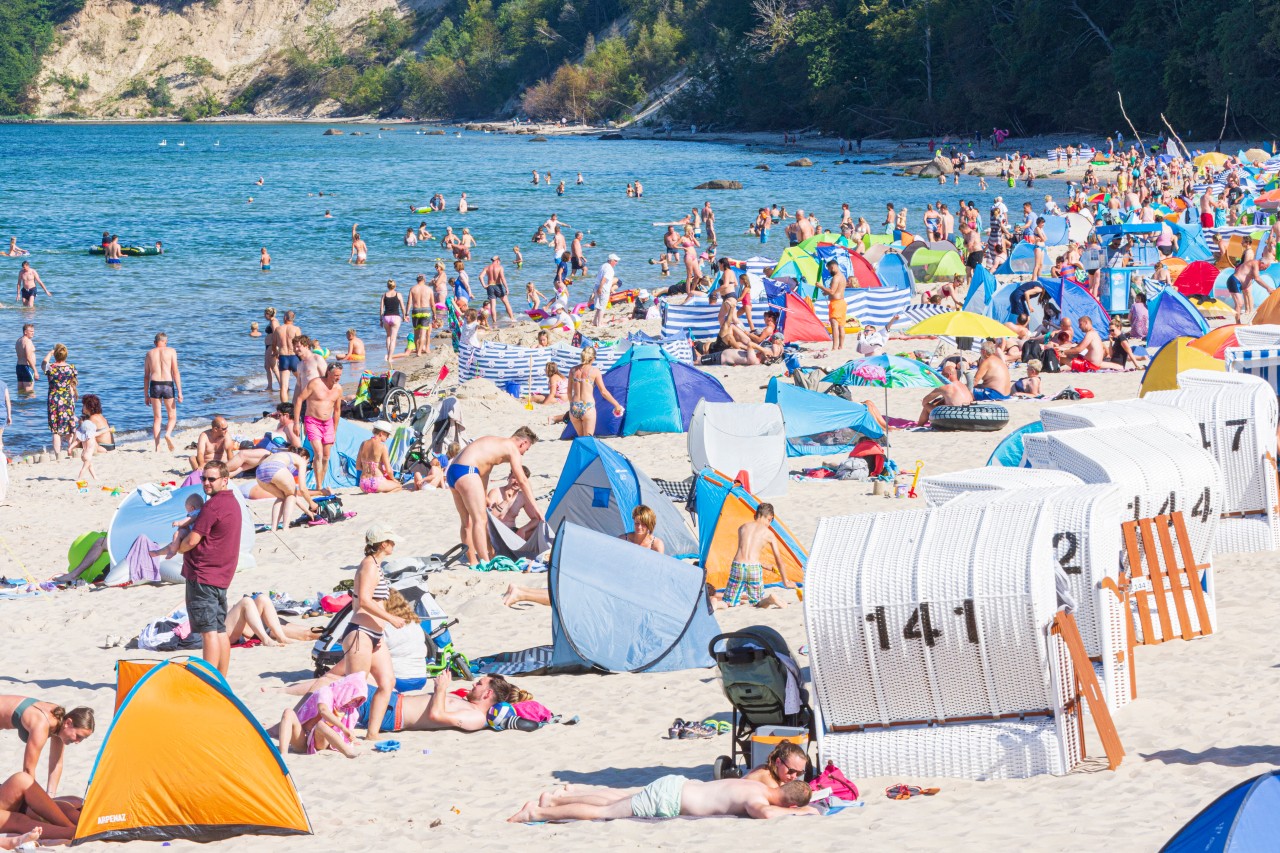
<point>841,787</point>
<point>330,509</point>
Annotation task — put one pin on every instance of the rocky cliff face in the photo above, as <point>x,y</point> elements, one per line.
<point>105,61</point>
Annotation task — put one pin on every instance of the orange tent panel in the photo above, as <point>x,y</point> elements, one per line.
<point>1269,311</point>
<point>724,545</point>
<point>129,673</point>
<point>184,759</point>
<point>1216,341</point>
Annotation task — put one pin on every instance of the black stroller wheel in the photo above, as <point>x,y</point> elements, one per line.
<point>399,405</point>
<point>724,768</point>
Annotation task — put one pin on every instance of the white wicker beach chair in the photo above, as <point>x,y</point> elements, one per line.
<point>1117,413</point>
<point>930,647</point>
<point>1086,545</point>
<point>1262,363</point>
<point>942,488</point>
<point>1235,418</point>
<point>1258,337</point>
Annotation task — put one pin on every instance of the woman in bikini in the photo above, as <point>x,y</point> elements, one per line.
<point>362,641</point>
<point>272,352</point>
<point>689,243</point>
<point>281,475</point>
<point>557,385</point>
<point>584,381</point>
<point>38,723</point>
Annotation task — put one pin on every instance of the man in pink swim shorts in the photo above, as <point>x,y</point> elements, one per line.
<point>323,396</point>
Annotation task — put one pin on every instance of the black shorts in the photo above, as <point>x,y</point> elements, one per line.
<point>496,291</point>
<point>578,263</point>
<point>206,608</point>
<point>160,390</point>
<point>974,259</point>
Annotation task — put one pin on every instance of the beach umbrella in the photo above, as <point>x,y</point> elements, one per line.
<point>885,371</point>
<point>1257,155</point>
<point>1211,158</point>
<point>1216,341</point>
<point>960,324</point>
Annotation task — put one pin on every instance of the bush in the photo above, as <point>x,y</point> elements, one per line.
<point>197,66</point>
<point>159,95</point>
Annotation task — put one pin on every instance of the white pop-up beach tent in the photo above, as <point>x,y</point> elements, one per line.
<point>735,437</point>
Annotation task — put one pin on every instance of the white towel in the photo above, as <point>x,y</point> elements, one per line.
<point>791,699</point>
<point>153,494</point>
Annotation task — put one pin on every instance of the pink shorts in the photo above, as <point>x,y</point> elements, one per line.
<point>318,431</point>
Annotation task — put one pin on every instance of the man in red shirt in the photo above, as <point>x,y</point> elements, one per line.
<point>210,553</point>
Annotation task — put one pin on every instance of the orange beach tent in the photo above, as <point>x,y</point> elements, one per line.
<point>723,506</point>
<point>175,761</point>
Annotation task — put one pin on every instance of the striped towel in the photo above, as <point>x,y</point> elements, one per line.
<point>503,363</point>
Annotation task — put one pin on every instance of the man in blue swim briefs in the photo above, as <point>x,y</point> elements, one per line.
<point>468,477</point>
<point>26,367</point>
<point>668,797</point>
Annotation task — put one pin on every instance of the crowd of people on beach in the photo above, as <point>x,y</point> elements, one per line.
<point>443,313</point>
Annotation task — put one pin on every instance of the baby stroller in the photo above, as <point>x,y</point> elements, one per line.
<point>755,666</point>
<point>409,578</point>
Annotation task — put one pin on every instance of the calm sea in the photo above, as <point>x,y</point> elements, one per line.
<point>64,185</point>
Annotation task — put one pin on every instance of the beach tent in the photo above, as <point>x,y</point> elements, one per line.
<point>1257,291</point>
<point>619,608</point>
<point>1174,358</point>
<point>1173,315</point>
<point>1196,279</point>
<point>657,392</point>
<point>741,437</point>
<point>819,424</point>
<point>797,264</point>
<point>1191,242</point>
<point>723,506</point>
<point>1078,227</point>
<point>857,269</point>
<point>1268,312</point>
<point>894,272</point>
<point>1009,453</point>
<point>1021,260</point>
<point>1076,302</point>
<point>982,292</point>
<point>935,265</point>
<point>599,487</point>
<point>1057,230</point>
<point>1216,341</point>
<point>1243,820</point>
<point>150,511</point>
<point>909,251</point>
<point>185,759</point>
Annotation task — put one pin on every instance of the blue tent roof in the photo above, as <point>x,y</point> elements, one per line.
<point>599,487</point>
<point>620,608</point>
<point>657,392</point>
<point>813,420</point>
<point>1021,260</point>
<point>1172,314</point>
<point>1056,230</point>
<point>1191,243</point>
<point>1076,302</point>
<point>1009,452</point>
<point>982,292</point>
<point>894,272</point>
<point>1244,819</point>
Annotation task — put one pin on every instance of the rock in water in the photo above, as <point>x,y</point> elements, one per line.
<point>763,168</point>
<point>720,184</point>
<point>538,139</point>
<point>332,132</point>
<point>610,136</point>
<point>803,161</point>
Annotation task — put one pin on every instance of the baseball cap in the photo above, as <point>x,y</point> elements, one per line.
<point>384,426</point>
<point>614,258</point>
<point>380,532</point>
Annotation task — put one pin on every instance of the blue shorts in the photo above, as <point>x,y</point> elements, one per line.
<point>288,362</point>
<point>392,720</point>
<point>1234,284</point>
<point>26,373</point>
<point>988,394</point>
<point>456,472</point>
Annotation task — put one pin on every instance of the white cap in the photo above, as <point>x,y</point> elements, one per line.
<point>644,293</point>
<point>614,258</point>
<point>384,426</point>
<point>380,532</point>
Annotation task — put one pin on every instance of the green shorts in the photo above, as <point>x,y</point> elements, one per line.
<point>660,798</point>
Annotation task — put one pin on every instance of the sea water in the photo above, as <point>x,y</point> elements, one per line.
<point>63,185</point>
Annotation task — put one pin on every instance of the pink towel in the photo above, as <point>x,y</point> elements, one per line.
<point>193,479</point>
<point>532,710</point>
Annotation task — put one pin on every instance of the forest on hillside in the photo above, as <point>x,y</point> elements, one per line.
<point>853,67</point>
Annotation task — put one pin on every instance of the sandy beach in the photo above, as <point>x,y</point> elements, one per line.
<point>1198,726</point>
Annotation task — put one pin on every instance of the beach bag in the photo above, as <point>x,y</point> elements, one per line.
<point>833,778</point>
<point>873,453</point>
<point>1049,361</point>
<point>330,509</point>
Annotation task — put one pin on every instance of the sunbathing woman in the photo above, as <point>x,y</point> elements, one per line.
<point>254,617</point>
<point>325,719</point>
<point>25,808</point>
<point>37,723</point>
<point>644,522</point>
<point>787,762</point>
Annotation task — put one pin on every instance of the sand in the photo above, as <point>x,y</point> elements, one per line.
<point>1202,721</point>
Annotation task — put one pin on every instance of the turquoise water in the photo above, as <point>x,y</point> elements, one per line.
<point>64,185</point>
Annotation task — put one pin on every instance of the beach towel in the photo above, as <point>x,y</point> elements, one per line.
<point>153,494</point>
<point>143,568</point>
<point>526,662</point>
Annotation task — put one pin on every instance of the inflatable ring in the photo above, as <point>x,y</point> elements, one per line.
<point>976,417</point>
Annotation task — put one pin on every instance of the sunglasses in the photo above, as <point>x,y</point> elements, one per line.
<point>212,479</point>
<point>791,770</point>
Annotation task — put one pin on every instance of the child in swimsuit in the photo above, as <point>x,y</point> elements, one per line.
<point>194,504</point>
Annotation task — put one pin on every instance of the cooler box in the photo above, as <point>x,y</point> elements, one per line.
<point>767,737</point>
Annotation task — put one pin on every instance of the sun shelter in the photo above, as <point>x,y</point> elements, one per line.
<point>1159,472</point>
<point>820,424</point>
<point>723,506</point>
<point>1175,358</point>
<point>922,617</point>
<point>1268,312</point>
<point>1196,279</point>
<point>599,488</point>
<point>1086,548</point>
<point>894,272</point>
<point>657,393</point>
<point>1217,340</point>
<point>738,438</point>
<point>982,292</point>
<point>1021,260</point>
<point>1009,452</point>
<point>933,265</point>
<point>150,511</point>
<point>1243,820</point>
<point>1057,230</point>
<point>1119,413</point>
<point>1173,316</point>
<point>616,607</point>
<point>510,544</point>
<point>174,765</point>
<point>1235,416</point>
<point>857,269</point>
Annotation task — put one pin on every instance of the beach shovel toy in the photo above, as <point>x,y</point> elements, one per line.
<point>915,479</point>
<point>444,371</point>
<point>528,391</point>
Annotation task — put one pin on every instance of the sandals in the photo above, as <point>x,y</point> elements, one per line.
<point>906,792</point>
<point>689,730</point>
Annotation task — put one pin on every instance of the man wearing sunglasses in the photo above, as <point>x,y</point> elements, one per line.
<point>210,553</point>
<point>214,445</point>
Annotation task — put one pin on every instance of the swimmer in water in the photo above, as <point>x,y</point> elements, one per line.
<point>260,182</point>
<point>327,214</point>
<point>519,257</point>
<point>14,251</point>
<point>359,251</point>
<point>264,259</point>
<point>253,330</point>
<point>28,278</point>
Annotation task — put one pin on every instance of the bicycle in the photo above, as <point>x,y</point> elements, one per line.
<point>447,657</point>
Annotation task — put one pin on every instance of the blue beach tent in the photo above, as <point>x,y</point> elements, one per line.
<point>894,272</point>
<point>1009,452</point>
<point>619,608</point>
<point>1021,260</point>
<point>982,293</point>
<point>1191,243</point>
<point>657,392</point>
<point>819,424</point>
<point>1243,820</point>
<point>1057,230</point>
<point>1173,315</point>
<point>598,489</point>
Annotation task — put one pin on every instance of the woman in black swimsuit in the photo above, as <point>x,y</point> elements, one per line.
<point>362,640</point>
<point>393,312</point>
<point>269,340</point>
